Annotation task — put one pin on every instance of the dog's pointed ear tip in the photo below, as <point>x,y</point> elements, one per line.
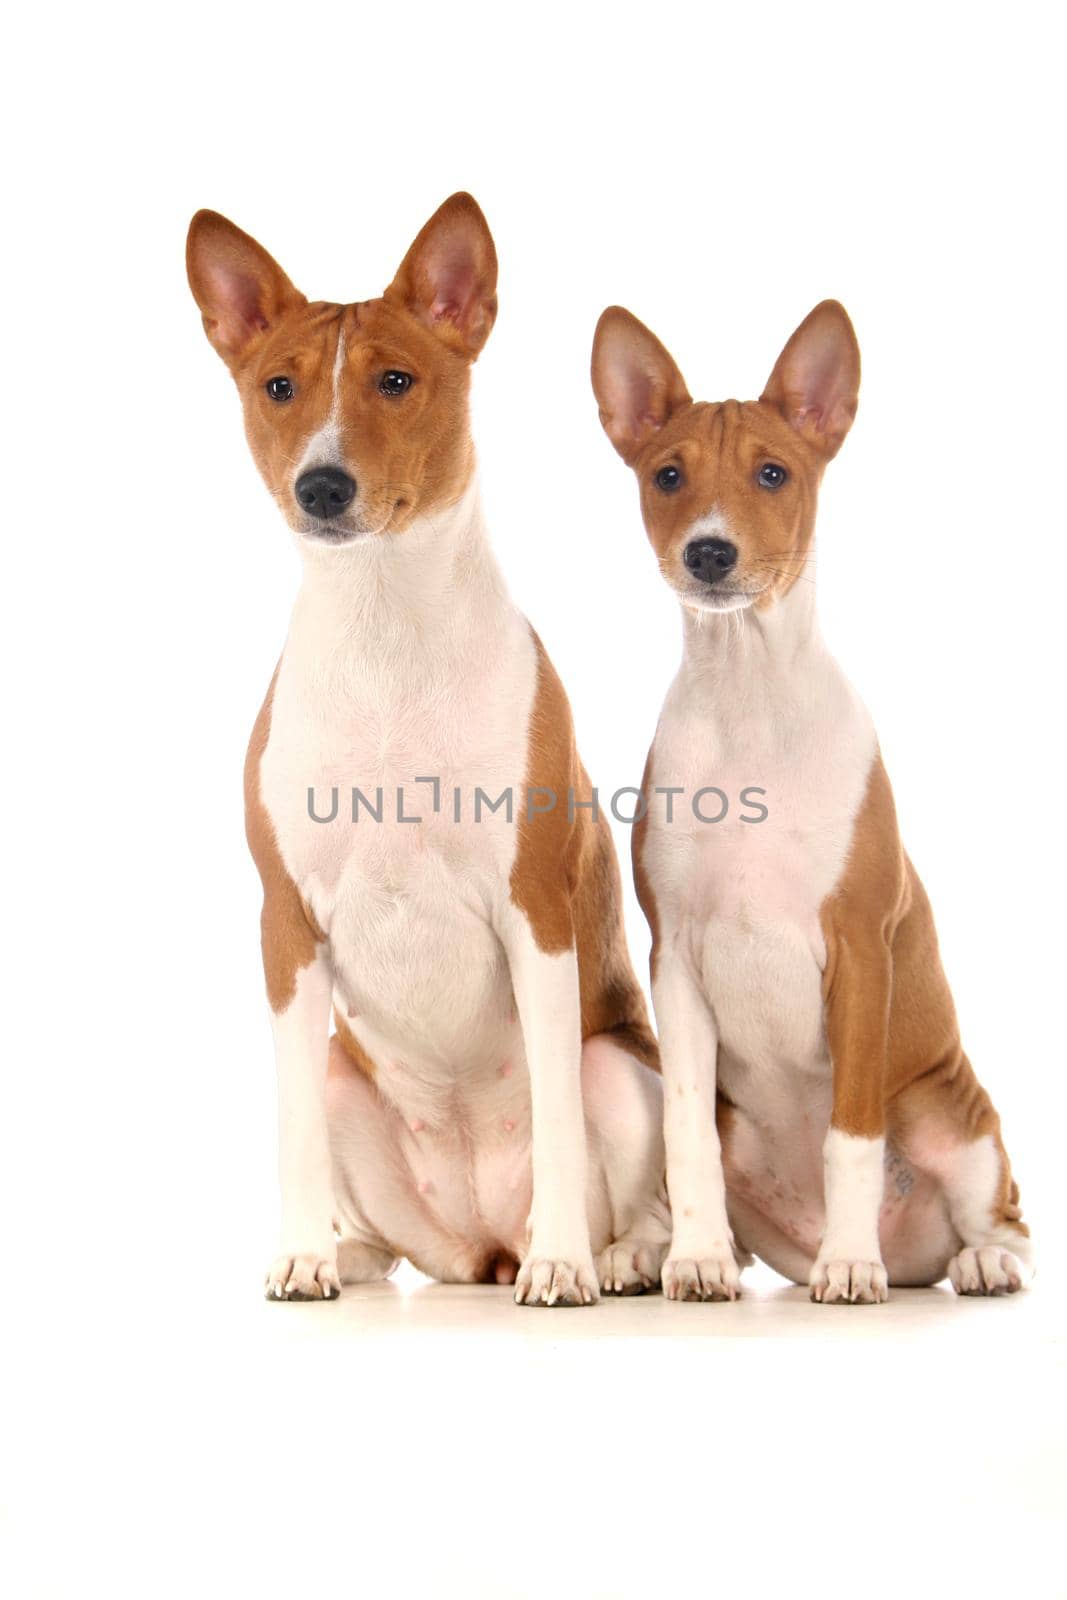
<point>833,312</point>
<point>207,228</point>
<point>463,204</point>
<point>616,329</point>
<point>206,219</point>
<point>617,316</point>
<point>197,223</point>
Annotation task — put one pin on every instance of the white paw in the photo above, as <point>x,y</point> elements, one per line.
<point>544,1282</point>
<point>629,1267</point>
<point>854,1283</point>
<point>990,1270</point>
<point>713,1276</point>
<point>308,1276</point>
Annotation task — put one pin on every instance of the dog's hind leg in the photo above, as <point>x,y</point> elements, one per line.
<point>367,1179</point>
<point>358,1262</point>
<point>949,1130</point>
<point>629,1220</point>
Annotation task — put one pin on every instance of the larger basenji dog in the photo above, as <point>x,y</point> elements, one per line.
<point>461,918</point>
<point>819,1108</point>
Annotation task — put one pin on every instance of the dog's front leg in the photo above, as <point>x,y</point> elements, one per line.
<point>306,1265</point>
<point>701,1264</point>
<point>558,1269</point>
<point>849,1267</point>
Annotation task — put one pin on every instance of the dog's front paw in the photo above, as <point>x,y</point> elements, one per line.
<point>711,1275</point>
<point>307,1275</point>
<point>629,1267</point>
<point>543,1281</point>
<point>855,1283</point>
<point>990,1270</point>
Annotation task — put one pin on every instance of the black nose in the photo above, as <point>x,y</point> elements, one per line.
<point>710,559</point>
<point>325,491</point>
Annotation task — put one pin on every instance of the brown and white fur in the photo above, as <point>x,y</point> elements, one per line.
<point>487,1016</point>
<point>819,1108</point>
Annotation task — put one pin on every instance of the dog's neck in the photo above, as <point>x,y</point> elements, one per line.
<point>423,595</point>
<point>746,658</point>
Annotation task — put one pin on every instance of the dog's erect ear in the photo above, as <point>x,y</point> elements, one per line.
<point>240,289</point>
<point>816,380</point>
<point>636,382</point>
<point>448,277</point>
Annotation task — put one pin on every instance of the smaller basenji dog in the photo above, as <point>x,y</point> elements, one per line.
<point>819,1109</point>
<point>489,1105</point>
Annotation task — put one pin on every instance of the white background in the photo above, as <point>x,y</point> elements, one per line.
<point>718,170</point>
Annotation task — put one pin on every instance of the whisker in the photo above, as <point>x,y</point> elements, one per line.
<point>781,572</point>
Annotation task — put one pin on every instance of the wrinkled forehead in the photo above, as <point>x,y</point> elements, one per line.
<point>714,436</point>
<point>325,340</point>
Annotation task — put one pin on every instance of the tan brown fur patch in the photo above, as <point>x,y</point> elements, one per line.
<point>566,877</point>
<point>290,934</point>
<point>894,1040</point>
<point>352,1047</point>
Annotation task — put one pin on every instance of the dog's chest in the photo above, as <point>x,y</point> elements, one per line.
<point>746,896</point>
<point>404,875</point>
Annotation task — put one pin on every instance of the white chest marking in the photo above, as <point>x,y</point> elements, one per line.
<point>370,698</point>
<point>758,704</point>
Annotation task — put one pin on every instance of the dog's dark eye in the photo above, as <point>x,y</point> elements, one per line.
<point>771,475</point>
<point>280,389</point>
<point>394,383</point>
<point>669,479</point>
